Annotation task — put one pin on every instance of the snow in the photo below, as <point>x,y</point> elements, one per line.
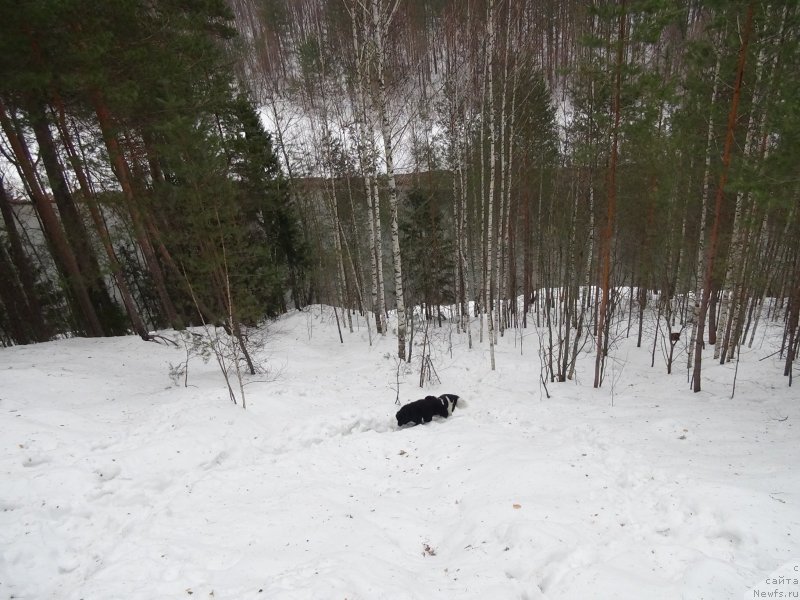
<point>116,483</point>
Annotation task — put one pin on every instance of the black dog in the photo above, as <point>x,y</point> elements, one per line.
<point>423,411</point>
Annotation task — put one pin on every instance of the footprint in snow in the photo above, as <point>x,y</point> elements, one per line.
<point>214,462</point>
<point>107,472</point>
<point>35,460</point>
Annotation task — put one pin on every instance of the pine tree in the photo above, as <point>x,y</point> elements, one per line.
<point>427,251</point>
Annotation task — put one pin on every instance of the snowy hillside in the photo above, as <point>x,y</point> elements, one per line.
<point>115,483</point>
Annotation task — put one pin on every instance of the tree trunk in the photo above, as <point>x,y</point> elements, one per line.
<point>502,225</point>
<point>463,244</point>
<point>792,330</point>
<point>492,176</point>
<point>33,314</point>
<point>381,17</point>
<point>367,161</point>
<point>695,318</point>
<point>122,172</point>
<point>734,271</point>
<point>74,228</point>
<point>100,226</point>
<point>608,232</point>
<point>19,315</point>
<point>62,252</point>
<point>711,253</point>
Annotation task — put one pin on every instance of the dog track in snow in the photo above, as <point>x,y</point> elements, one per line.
<point>216,461</point>
<point>35,460</point>
<point>321,432</point>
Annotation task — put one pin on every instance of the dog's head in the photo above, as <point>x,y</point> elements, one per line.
<point>451,404</point>
<point>402,417</point>
<point>451,401</point>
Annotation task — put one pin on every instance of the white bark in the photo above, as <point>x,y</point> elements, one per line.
<point>501,224</point>
<point>701,237</point>
<point>457,130</point>
<point>492,176</point>
<point>376,217</point>
<point>506,215</point>
<point>762,90</point>
<point>734,271</point>
<point>382,15</point>
<point>366,156</point>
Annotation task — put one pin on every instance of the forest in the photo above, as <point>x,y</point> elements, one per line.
<point>589,170</point>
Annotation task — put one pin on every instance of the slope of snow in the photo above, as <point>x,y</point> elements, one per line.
<point>115,483</point>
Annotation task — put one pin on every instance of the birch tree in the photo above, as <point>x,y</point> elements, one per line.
<point>711,252</point>
<point>382,13</point>
<point>492,142</point>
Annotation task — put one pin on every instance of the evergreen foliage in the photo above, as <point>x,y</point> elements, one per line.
<point>206,206</point>
<point>427,250</point>
<point>572,151</point>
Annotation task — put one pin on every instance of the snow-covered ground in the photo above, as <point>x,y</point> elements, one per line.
<point>116,483</point>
